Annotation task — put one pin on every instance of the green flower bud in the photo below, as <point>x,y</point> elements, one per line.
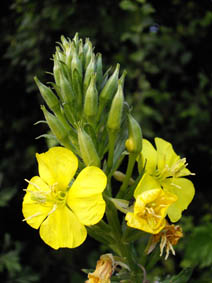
<point>56,70</point>
<point>99,72</point>
<point>66,89</point>
<point>57,129</point>
<point>76,64</point>
<point>48,95</point>
<point>91,101</point>
<point>88,51</point>
<point>134,141</point>
<point>88,73</point>
<point>76,41</point>
<point>87,149</point>
<point>115,114</point>
<point>110,86</point>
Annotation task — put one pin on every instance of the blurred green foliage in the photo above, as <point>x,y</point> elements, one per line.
<point>165,48</point>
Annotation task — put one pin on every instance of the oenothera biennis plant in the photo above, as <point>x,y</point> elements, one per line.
<point>74,193</point>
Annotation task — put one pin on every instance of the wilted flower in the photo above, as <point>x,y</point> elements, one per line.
<point>168,238</point>
<point>104,270</point>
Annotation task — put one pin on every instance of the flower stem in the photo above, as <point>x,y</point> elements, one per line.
<point>130,166</point>
<point>112,140</point>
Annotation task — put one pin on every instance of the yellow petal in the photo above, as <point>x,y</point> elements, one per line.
<point>146,183</point>
<point>90,181</point>
<point>35,205</point>
<point>85,195</point>
<point>62,229</point>
<point>141,223</point>
<point>184,190</point>
<point>149,156</point>
<point>166,154</point>
<point>57,166</point>
<point>89,210</point>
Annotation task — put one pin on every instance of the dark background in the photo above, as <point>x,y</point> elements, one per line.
<point>165,46</point>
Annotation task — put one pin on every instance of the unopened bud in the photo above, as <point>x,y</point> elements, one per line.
<point>88,73</point>
<point>87,149</point>
<point>99,72</point>
<point>66,89</point>
<point>88,51</point>
<point>110,86</point>
<point>91,100</point>
<point>115,114</point>
<point>76,64</point>
<point>134,141</point>
<point>57,128</point>
<point>119,176</point>
<point>48,95</point>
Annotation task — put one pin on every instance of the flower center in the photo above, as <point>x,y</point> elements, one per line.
<point>174,171</point>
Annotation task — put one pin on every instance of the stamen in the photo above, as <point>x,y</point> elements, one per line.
<point>32,216</point>
<point>52,210</point>
<point>177,186</point>
<point>31,183</point>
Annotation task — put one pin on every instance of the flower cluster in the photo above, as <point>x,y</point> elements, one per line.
<point>94,128</point>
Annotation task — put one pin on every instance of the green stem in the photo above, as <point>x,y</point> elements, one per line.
<point>130,166</point>
<point>112,140</point>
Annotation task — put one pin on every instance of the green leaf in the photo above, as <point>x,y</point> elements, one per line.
<point>6,195</point>
<point>182,277</point>
<point>199,248</point>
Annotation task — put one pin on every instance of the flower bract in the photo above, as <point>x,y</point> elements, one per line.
<point>59,205</point>
<point>169,170</point>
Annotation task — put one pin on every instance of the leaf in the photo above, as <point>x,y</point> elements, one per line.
<point>182,277</point>
<point>199,248</point>
<point>6,195</point>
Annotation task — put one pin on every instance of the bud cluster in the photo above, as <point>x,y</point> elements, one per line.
<point>86,104</point>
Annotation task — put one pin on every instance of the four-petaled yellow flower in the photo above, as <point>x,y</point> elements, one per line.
<point>167,168</point>
<point>150,208</point>
<point>60,205</point>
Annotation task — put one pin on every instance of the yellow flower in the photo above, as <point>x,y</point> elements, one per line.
<point>60,205</point>
<point>168,168</point>
<point>150,208</point>
<point>104,270</point>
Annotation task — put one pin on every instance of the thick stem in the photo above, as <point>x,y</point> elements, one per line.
<point>130,166</point>
<point>112,140</point>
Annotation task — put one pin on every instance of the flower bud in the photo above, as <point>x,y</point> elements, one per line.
<point>88,51</point>
<point>56,70</point>
<point>87,149</point>
<point>110,86</point>
<point>115,114</point>
<point>57,128</point>
<point>88,73</point>
<point>99,72</point>
<point>134,141</point>
<point>76,64</point>
<point>50,98</point>
<point>66,89</point>
<point>91,100</point>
